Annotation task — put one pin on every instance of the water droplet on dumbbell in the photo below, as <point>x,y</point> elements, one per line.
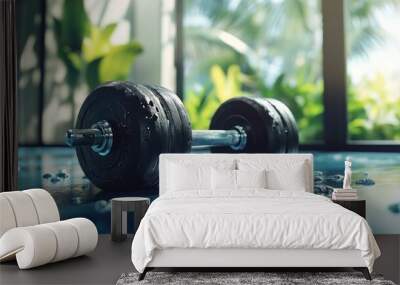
<point>47,175</point>
<point>62,175</point>
<point>55,180</point>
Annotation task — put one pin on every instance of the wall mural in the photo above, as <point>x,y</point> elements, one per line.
<point>375,175</point>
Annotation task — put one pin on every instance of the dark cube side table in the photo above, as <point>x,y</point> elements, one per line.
<point>357,206</point>
<point>119,208</point>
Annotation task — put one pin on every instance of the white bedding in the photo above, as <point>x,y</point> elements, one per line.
<point>250,218</point>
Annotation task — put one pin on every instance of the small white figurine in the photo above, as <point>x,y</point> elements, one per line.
<point>347,174</point>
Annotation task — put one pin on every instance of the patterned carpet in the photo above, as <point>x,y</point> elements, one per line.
<point>230,278</point>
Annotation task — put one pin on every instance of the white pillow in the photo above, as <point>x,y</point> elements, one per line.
<point>251,178</point>
<point>293,181</point>
<point>223,179</point>
<point>230,180</point>
<point>282,174</point>
<point>185,178</point>
<point>190,175</point>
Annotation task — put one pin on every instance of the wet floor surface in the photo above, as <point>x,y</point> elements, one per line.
<point>57,170</point>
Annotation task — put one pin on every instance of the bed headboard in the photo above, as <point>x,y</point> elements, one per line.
<point>205,158</point>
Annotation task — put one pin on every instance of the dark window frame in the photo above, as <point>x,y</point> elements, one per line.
<point>335,117</point>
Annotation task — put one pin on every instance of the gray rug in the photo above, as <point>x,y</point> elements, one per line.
<point>229,278</point>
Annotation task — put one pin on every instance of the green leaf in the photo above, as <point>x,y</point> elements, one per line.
<point>233,81</point>
<point>218,79</point>
<point>98,44</point>
<point>107,31</point>
<point>92,73</point>
<point>75,60</point>
<point>60,44</point>
<point>75,25</point>
<point>117,64</point>
<point>226,86</point>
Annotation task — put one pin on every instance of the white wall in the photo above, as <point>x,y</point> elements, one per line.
<point>153,25</point>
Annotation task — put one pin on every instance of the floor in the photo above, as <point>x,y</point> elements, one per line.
<point>111,259</point>
<point>103,266</point>
<point>389,262</point>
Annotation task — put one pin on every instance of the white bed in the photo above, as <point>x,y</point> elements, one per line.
<point>248,227</point>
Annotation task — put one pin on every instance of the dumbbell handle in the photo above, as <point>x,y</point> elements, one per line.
<point>235,138</point>
<point>75,137</point>
<point>99,137</point>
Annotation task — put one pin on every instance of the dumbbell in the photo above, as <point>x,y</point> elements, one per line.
<point>123,127</point>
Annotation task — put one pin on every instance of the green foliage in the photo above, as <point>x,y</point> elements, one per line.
<point>374,112</point>
<point>117,63</point>
<point>98,43</point>
<point>74,25</point>
<point>257,36</point>
<point>87,50</point>
<point>202,104</point>
<point>276,48</point>
<point>304,100</point>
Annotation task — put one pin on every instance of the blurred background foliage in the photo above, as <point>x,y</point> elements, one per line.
<point>275,48</point>
<point>270,48</point>
<point>65,49</point>
<point>374,112</point>
<point>202,103</point>
<point>87,51</point>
